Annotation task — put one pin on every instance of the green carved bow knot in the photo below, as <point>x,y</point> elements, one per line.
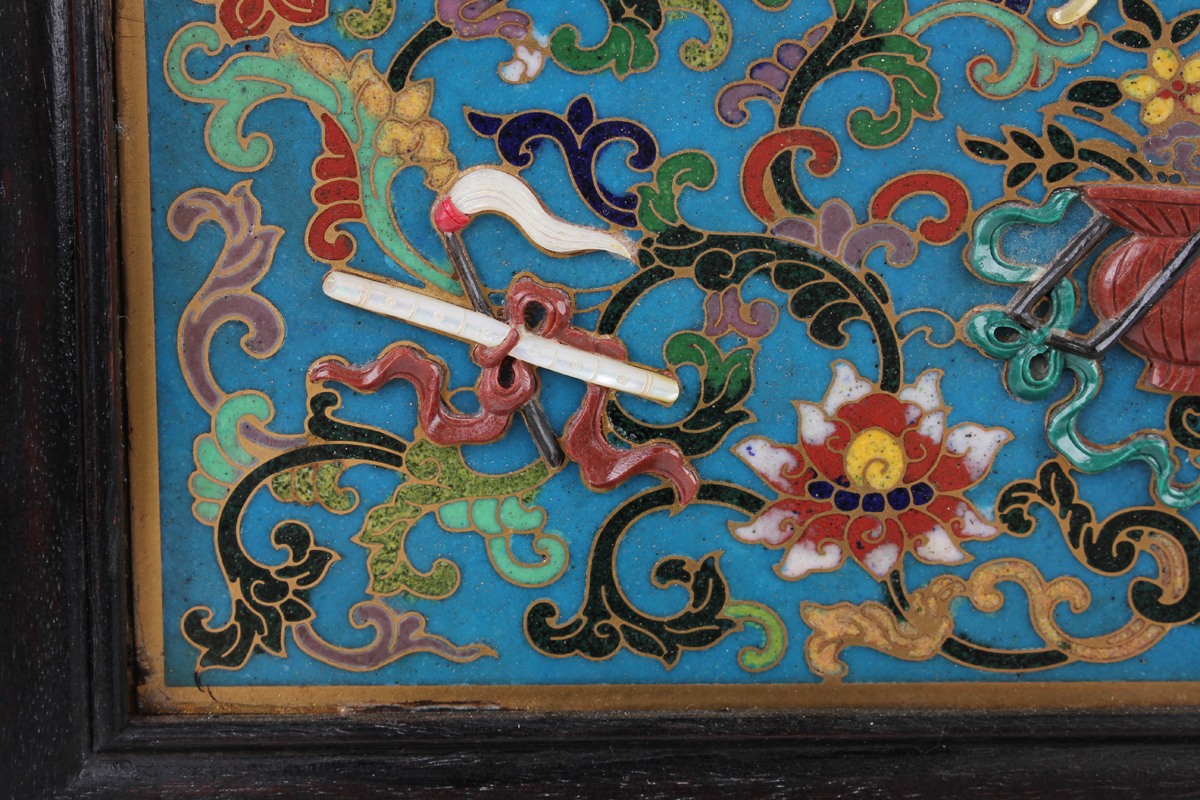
<point>1033,368</point>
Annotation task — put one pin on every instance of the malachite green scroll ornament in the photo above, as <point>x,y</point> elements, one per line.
<point>1034,368</point>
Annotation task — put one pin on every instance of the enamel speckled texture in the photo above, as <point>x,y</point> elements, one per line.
<point>412,288</point>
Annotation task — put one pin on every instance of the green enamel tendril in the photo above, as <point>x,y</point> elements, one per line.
<point>207,511</point>
<point>244,81</point>
<point>455,516</point>
<point>657,208</point>
<point>203,487</point>
<point>758,659</point>
<point>240,84</point>
<point>373,23</point>
<point>213,463</point>
<point>496,518</point>
<point>328,493</point>
<point>513,516</point>
<point>628,47</point>
<point>1035,58</point>
<point>694,53</point>
<point>378,209</point>
<point>225,424</point>
<point>462,500</point>
<point>554,560</point>
<point>483,514</point>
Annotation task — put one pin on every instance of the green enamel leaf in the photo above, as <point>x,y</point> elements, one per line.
<point>725,383</point>
<point>1131,39</point>
<point>914,91</point>
<point>1061,170</point>
<point>462,500</point>
<point>628,47</point>
<point>696,54</point>
<point>774,635</point>
<point>371,24</point>
<point>1019,174</point>
<point>885,17</point>
<point>281,487</point>
<point>1184,27</point>
<point>328,492</point>
<point>1096,93</point>
<point>1027,143</point>
<point>985,150</point>
<point>732,375</point>
<point>1143,12</point>
<point>1061,141</point>
<point>203,487</point>
<point>657,208</point>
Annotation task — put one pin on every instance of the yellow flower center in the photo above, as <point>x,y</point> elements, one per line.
<point>875,459</point>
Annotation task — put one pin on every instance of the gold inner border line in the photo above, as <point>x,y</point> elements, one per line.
<point>680,697</point>
<point>154,696</point>
<point>133,153</point>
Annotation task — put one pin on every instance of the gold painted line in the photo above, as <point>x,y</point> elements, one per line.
<point>738,697</point>
<point>156,697</point>
<point>133,154</point>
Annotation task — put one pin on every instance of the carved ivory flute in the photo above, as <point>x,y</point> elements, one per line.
<point>437,315</point>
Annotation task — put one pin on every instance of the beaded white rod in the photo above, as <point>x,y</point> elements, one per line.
<point>438,315</point>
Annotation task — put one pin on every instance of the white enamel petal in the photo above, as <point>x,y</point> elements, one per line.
<point>879,561</point>
<point>925,392</point>
<point>940,547</point>
<point>846,388</point>
<point>973,525</point>
<point>803,558</point>
<point>977,445</point>
<point>769,460</point>
<point>532,59</point>
<point>513,70</point>
<point>912,413</point>
<point>770,527</point>
<point>815,427</point>
<point>933,426</point>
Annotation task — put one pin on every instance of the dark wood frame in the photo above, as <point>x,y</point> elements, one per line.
<point>66,723</point>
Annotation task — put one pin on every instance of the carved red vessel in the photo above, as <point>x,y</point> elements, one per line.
<point>1162,219</point>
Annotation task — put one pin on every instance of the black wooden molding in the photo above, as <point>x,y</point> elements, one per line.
<point>67,728</point>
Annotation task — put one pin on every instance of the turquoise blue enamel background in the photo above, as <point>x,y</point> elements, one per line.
<point>800,261</point>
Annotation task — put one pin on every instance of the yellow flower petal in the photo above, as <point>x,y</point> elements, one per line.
<point>1141,87</point>
<point>413,103</point>
<point>376,99</point>
<point>394,138</point>
<point>1157,110</point>
<point>1191,70</point>
<point>1192,103</point>
<point>1165,63</point>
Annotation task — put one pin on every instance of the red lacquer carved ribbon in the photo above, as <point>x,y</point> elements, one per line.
<point>507,384</point>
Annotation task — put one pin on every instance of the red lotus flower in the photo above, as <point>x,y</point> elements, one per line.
<point>242,19</point>
<point>874,475</point>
